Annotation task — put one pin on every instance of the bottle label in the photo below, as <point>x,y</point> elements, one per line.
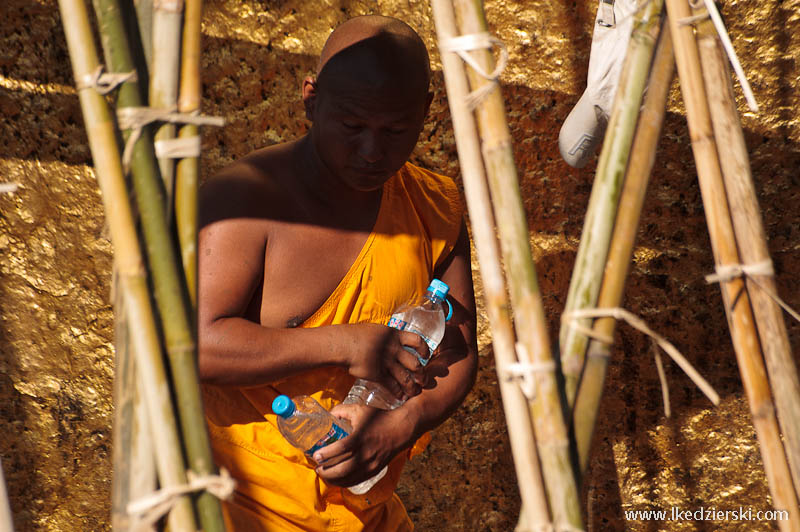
<point>335,434</point>
<point>397,323</point>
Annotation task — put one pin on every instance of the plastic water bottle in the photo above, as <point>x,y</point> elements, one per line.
<point>308,426</point>
<point>425,317</point>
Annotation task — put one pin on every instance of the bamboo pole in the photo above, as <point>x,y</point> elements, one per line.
<point>520,431</point>
<point>547,409</point>
<point>164,71</point>
<point>186,179</point>
<point>637,176</point>
<point>723,245</point>
<point>122,428</point>
<point>6,518</point>
<point>144,22</point>
<point>604,199</point>
<point>174,310</point>
<point>752,241</point>
<point>127,259</point>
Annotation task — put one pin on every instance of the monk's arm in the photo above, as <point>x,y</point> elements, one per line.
<point>454,367</point>
<point>379,435</point>
<point>234,350</point>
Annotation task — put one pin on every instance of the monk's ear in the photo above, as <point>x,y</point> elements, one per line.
<point>309,96</point>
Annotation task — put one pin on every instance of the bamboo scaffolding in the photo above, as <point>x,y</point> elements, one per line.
<point>637,177</point>
<point>523,444</point>
<point>752,240</point>
<point>547,410</point>
<point>164,71</point>
<point>603,202</point>
<point>186,176</point>
<point>173,308</point>
<point>723,245</point>
<point>128,261</point>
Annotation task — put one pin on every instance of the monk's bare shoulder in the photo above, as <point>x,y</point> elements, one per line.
<point>256,187</point>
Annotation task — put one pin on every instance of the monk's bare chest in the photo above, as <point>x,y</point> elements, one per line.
<point>303,265</point>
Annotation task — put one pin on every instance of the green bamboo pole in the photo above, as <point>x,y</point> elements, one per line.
<point>167,281</point>
<point>603,201</point>
<point>520,431</point>
<point>144,22</point>
<point>164,71</point>
<point>186,179</point>
<point>547,410</point>
<point>752,240</point>
<point>723,245</point>
<point>637,176</point>
<point>128,262</point>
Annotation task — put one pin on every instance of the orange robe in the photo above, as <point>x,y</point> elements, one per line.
<point>277,488</point>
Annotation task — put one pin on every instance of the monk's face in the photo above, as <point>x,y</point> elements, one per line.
<point>363,131</point>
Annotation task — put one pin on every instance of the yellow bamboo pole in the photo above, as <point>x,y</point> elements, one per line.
<point>187,170</point>
<point>547,409</point>
<point>723,245</point>
<point>127,260</point>
<point>637,176</point>
<point>520,431</point>
<point>752,241</point>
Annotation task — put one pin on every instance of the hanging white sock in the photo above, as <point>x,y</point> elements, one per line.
<point>585,125</point>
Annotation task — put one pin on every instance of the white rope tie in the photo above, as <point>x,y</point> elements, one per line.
<point>178,148</point>
<point>136,118</point>
<point>525,372</point>
<point>104,82</point>
<point>6,188</point>
<point>728,272</point>
<point>150,508</point>
<point>463,44</point>
<point>638,324</point>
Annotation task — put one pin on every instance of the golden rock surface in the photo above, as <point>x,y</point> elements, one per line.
<point>56,322</point>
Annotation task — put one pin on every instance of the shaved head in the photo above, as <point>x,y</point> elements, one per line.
<point>377,51</point>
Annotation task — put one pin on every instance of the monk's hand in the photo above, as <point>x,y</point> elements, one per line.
<point>377,437</point>
<point>389,357</point>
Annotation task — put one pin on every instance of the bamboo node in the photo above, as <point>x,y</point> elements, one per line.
<point>463,44</point>
<point>728,272</point>
<point>639,324</point>
<point>150,508</point>
<point>178,148</point>
<point>688,21</point>
<point>104,82</point>
<point>525,372</point>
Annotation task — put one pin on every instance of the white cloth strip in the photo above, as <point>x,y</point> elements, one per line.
<point>135,118</point>
<point>639,324</point>
<point>463,44</point>
<point>726,43</point>
<point>662,377</point>
<point>6,188</point>
<point>104,82</point>
<point>150,508</point>
<point>726,272</point>
<point>524,371</point>
<point>178,148</point>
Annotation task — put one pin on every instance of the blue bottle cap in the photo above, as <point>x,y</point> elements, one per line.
<point>439,288</point>
<point>283,406</point>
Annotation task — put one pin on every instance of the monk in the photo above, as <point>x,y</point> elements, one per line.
<point>305,250</point>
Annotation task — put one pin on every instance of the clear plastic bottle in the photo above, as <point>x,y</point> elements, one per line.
<point>425,317</point>
<point>308,426</point>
